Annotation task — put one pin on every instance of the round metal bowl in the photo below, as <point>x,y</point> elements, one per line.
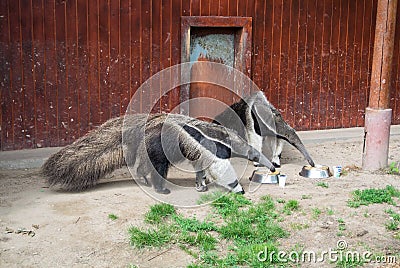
<point>266,177</point>
<point>317,172</point>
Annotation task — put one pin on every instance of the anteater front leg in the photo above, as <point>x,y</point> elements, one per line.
<point>201,185</point>
<point>159,176</point>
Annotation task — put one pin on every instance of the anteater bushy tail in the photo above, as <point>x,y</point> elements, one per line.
<point>81,164</point>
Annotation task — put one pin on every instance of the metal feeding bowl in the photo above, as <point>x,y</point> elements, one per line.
<point>317,172</point>
<point>265,176</point>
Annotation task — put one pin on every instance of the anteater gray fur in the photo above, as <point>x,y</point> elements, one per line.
<point>112,145</point>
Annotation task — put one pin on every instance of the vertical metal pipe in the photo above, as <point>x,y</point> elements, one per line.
<point>378,114</point>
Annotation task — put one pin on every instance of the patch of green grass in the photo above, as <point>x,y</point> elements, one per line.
<point>394,168</point>
<point>373,196</point>
<point>330,211</point>
<point>112,217</point>
<point>342,224</point>
<point>254,224</point>
<point>299,226</point>
<point>304,196</point>
<point>210,197</point>
<point>201,239</point>
<point>150,238</point>
<point>193,224</point>
<point>245,227</point>
<point>229,204</point>
<point>366,213</point>
<point>394,215</point>
<point>290,206</point>
<point>392,225</point>
<point>315,213</point>
<point>280,201</point>
<point>394,222</point>
<point>323,184</point>
<point>158,213</point>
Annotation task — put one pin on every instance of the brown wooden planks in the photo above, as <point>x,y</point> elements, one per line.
<point>72,69</point>
<point>292,62</point>
<point>16,75</point>
<point>114,95</point>
<point>94,97</point>
<point>166,46</point>
<point>194,7</point>
<point>177,6</point>
<point>156,48</point>
<point>68,66</point>
<point>27,93</point>
<point>258,48</point>
<point>6,109</point>
<point>145,53</point>
<point>61,61</point>
<point>364,66</point>
<point>325,67</point>
<point>135,47</point>
<point>232,8</point>
<point>107,84</point>
<point>82,77</point>
<point>41,130</point>
<point>275,52</point>
<point>318,8</point>
<point>284,95</point>
<point>124,44</point>
<point>350,92</point>
<point>267,48</point>
<point>357,67</point>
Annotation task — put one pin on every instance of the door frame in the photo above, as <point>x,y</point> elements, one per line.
<point>243,45</point>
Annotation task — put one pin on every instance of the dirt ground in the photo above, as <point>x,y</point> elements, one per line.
<point>73,229</point>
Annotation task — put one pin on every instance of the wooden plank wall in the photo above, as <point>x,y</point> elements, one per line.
<point>69,65</point>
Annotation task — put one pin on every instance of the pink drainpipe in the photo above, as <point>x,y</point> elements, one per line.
<point>378,115</point>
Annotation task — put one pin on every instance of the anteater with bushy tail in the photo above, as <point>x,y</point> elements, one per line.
<point>80,165</point>
<point>163,138</point>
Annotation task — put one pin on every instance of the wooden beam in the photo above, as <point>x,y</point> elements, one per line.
<point>383,52</point>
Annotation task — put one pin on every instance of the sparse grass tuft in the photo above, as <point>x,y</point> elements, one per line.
<point>290,206</point>
<point>394,221</point>
<point>193,224</point>
<point>158,213</point>
<point>323,184</point>
<point>150,238</point>
<point>394,168</point>
<point>112,217</point>
<point>280,201</point>
<point>210,197</point>
<point>392,225</point>
<point>229,204</point>
<point>315,213</point>
<point>201,239</point>
<point>373,196</point>
<point>342,224</point>
<point>299,226</point>
<point>330,211</point>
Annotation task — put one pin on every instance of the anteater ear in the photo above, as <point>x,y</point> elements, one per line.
<point>264,119</point>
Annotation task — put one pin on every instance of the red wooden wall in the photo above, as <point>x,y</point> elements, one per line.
<point>69,65</point>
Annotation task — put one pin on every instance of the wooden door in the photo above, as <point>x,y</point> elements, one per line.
<point>210,45</point>
<point>225,40</point>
